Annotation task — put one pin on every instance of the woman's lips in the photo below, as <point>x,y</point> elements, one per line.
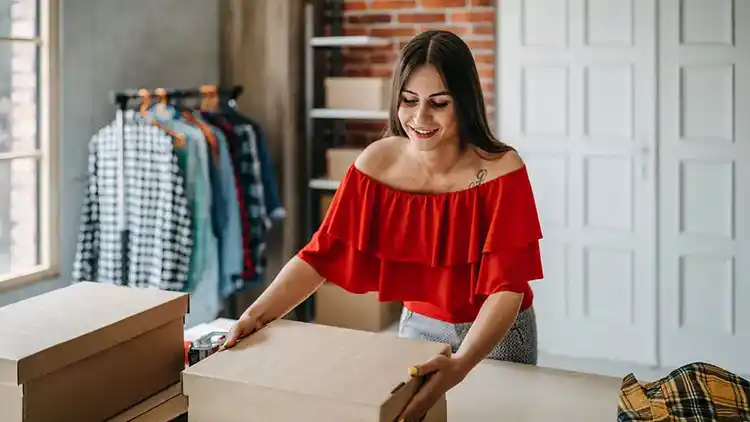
<point>423,133</point>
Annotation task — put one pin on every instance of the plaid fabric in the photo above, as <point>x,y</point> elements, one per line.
<point>156,208</point>
<point>698,392</point>
<point>250,185</point>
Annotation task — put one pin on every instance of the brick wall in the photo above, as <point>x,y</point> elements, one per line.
<point>400,20</point>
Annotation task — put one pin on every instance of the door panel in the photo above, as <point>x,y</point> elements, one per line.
<point>577,98</point>
<point>705,182</point>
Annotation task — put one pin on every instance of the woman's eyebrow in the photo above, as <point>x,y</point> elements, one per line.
<point>437,94</point>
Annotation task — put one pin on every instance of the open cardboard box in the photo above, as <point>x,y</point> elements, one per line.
<point>293,371</point>
<point>88,351</point>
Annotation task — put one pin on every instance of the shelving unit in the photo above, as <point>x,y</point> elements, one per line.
<point>324,127</point>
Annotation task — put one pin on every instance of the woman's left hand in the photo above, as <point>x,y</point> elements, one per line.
<point>442,373</point>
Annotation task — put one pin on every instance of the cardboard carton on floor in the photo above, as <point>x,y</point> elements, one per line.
<point>88,351</point>
<point>293,371</point>
<point>336,307</point>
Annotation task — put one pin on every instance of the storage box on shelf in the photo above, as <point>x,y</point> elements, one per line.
<point>357,93</point>
<point>88,351</point>
<point>322,110</point>
<point>294,371</point>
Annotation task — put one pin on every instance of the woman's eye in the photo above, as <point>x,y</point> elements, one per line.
<point>408,101</point>
<point>440,105</point>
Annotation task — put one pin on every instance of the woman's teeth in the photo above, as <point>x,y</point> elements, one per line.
<point>424,133</point>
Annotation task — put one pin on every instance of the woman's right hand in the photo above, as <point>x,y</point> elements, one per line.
<point>244,326</point>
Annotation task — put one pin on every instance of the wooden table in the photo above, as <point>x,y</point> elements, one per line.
<point>493,391</point>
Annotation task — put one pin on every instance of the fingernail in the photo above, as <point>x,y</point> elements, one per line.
<point>413,371</point>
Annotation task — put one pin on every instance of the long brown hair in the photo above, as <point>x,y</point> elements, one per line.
<point>453,59</point>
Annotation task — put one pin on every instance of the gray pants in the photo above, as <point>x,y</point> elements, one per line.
<point>519,345</point>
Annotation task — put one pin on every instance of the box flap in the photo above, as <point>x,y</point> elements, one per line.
<point>359,367</point>
<point>47,332</point>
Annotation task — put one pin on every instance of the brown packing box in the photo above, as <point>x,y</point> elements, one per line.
<point>357,93</point>
<point>88,351</point>
<point>338,161</point>
<point>336,307</point>
<point>164,406</point>
<point>293,371</point>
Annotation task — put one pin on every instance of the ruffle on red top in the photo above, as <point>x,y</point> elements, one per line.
<point>442,254</point>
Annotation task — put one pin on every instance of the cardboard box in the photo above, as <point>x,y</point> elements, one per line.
<point>293,371</point>
<point>338,161</point>
<point>164,406</point>
<point>336,307</point>
<point>357,93</point>
<point>88,351</point>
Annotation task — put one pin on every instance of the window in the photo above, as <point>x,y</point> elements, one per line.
<point>28,134</point>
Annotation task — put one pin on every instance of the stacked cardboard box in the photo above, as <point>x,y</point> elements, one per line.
<point>292,371</point>
<point>335,306</point>
<point>88,352</point>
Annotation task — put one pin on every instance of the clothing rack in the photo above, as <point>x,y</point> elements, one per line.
<point>122,100</point>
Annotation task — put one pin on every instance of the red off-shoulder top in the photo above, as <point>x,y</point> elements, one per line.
<point>440,254</point>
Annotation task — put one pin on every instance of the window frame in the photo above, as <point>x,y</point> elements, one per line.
<point>48,153</point>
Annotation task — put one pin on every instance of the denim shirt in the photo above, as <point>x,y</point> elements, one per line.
<point>225,214</point>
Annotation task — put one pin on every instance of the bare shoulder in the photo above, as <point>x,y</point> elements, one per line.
<point>498,165</point>
<point>380,155</point>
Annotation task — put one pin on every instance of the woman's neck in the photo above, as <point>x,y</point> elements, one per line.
<point>440,161</point>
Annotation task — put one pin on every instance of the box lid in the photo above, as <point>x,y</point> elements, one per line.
<point>44,333</point>
<point>359,367</point>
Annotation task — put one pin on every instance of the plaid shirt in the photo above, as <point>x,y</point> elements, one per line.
<point>241,140</point>
<point>156,208</point>
<point>698,392</point>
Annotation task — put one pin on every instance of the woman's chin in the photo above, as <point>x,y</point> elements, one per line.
<point>422,144</point>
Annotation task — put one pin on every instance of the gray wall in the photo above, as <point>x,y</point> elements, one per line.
<point>117,44</point>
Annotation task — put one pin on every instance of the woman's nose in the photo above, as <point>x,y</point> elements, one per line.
<point>422,114</point>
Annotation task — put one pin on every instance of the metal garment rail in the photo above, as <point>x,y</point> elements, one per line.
<point>122,99</point>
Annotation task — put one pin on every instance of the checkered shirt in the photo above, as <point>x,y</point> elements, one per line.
<point>156,208</point>
<point>696,392</point>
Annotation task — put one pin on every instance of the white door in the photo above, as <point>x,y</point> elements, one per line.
<point>705,182</point>
<point>577,98</point>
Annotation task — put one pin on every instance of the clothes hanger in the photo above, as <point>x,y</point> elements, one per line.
<point>205,129</point>
<point>179,138</point>
<point>210,101</point>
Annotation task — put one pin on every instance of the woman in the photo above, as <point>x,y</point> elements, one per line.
<point>439,215</point>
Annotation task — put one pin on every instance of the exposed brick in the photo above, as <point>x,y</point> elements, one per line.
<point>486,73</point>
<point>440,4</point>
<point>481,44</point>
<point>361,19</point>
<point>458,30</point>
<point>355,5</point>
<point>483,30</point>
<point>400,20</point>
<point>421,17</point>
<point>393,4</point>
<point>486,16</point>
<point>408,31</point>
<point>484,58</point>
<point>350,30</point>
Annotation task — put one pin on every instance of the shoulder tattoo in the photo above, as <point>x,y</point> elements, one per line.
<point>481,176</point>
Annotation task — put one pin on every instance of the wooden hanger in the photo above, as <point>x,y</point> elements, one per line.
<point>210,100</point>
<point>179,138</point>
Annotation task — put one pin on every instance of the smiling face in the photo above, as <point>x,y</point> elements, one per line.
<point>426,110</point>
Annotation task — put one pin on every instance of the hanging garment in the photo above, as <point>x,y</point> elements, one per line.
<point>697,392</point>
<point>253,231</point>
<point>204,258</point>
<point>225,212</point>
<point>205,270</point>
<point>157,210</point>
<point>272,198</point>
